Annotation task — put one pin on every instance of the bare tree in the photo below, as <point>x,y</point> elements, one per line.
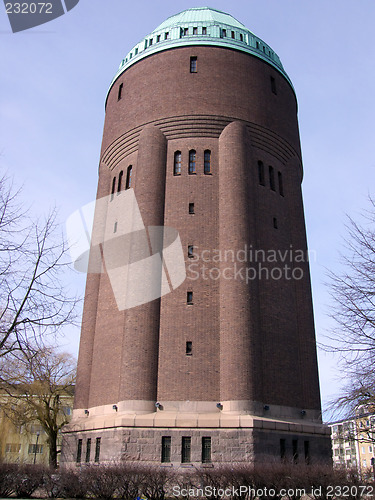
<point>353,310</point>
<point>33,259</point>
<point>38,383</point>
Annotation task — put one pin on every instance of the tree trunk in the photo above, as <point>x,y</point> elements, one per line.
<point>52,443</point>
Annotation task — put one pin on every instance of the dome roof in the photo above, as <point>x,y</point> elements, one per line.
<point>201,26</point>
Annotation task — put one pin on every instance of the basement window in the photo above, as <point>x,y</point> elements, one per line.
<point>206,450</point>
<point>166,449</point>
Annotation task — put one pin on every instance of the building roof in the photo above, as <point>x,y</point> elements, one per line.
<point>201,26</point>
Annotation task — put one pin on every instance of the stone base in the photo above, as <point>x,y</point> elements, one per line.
<point>233,438</point>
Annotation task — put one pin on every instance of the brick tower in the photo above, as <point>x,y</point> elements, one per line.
<point>201,130</point>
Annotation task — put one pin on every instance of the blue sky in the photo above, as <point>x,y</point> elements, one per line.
<point>54,80</point>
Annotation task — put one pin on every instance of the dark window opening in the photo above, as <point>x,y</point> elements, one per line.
<point>88,450</point>
<point>257,45</point>
<point>97,449</point>
<point>273,85</point>
<point>204,30</point>
<point>195,31</point>
<point>191,251</point>
<point>145,44</point>
<point>186,450</point>
<point>189,348</point>
<point>115,228</point>
<point>165,449</point>
<point>113,188</point>
<point>166,35</point>
<point>186,31</point>
<point>189,297</point>
<point>272,178</point>
<point>191,208</point>
<point>136,51</point>
<point>281,186</point>
<point>193,64</point>
<point>207,161</point>
<point>150,43</point>
<point>206,450</point>
<point>177,163</point>
<point>307,451</point>
<point>79,451</point>
<point>262,180</point>
<point>295,450</point>
<point>264,49</point>
<point>241,37</point>
<point>119,185</point>
<point>282,449</point>
<point>119,95</point>
<point>158,39</point>
<point>192,156</point>
<point>223,33</point>
<point>275,222</point>
<point>129,177</point>
<point>233,34</point>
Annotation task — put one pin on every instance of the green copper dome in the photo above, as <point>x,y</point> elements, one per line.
<point>201,26</point>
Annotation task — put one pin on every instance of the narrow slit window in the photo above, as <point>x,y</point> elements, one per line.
<point>241,37</point>
<point>115,228</point>
<point>88,450</point>
<point>295,450</point>
<point>223,33</point>
<point>186,31</point>
<point>97,449</point>
<point>129,177</point>
<point>119,95</point>
<point>193,64</point>
<point>113,188</point>
<point>136,51</point>
<point>189,348</point>
<point>177,163</point>
<point>204,30</point>
<point>79,451</point>
<point>119,185</point>
<point>189,297</point>
<point>206,450</point>
<point>191,251</point>
<point>272,178</point>
<point>262,181</point>
<point>273,85</point>
<point>282,449</point>
<point>257,45</point>
<point>191,208</point>
<point>207,161</point>
<point>275,223</point>
<point>166,35</point>
<point>233,34</point>
<point>281,186</point>
<point>192,156</point>
<point>186,450</point>
<point>307,451</point>
<point>158,39</point>
<point>150,42</point>
<point>166,449</point>
<point>195,31</point>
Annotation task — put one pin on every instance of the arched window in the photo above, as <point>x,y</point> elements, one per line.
<point>207,161</point>
<point>129,177</point>
<point>192,156</point>
<point>177,163</point>
<point>119,185</point>
<point>113,187</point>
<point>261,173</point>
